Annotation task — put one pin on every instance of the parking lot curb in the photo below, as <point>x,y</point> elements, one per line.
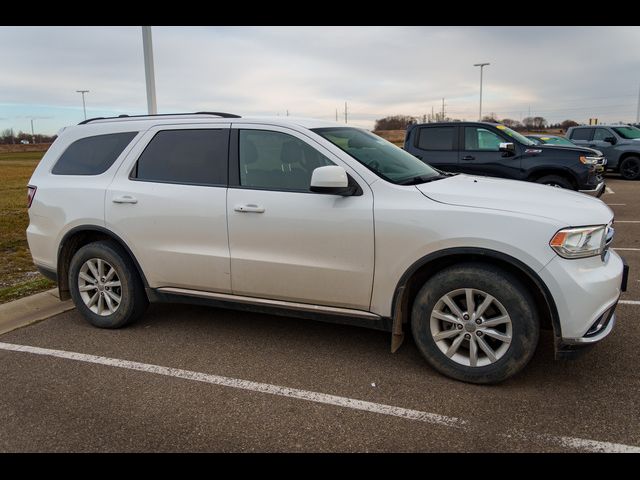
<point>32,309</point>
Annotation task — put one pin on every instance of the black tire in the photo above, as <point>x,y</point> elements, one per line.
<point>509,292</point>
<point>630,168</point>
<point>555,181</point>
<point>133,301</point>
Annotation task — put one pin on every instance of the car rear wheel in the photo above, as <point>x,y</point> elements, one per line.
<point>630,168</point>
<point>475,323</point>
<point>105,285</point>
<point>555,181</point>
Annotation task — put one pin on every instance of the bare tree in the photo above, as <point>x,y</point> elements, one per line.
<point>492,117</point>
<point>567,124</point>
<point>508,122</point>
<point>395,122</point>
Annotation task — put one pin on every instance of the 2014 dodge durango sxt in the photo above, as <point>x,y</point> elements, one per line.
<point>314,219</point>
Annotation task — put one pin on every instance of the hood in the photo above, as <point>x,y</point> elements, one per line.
<point>564,206</point>
<point>587,150</point>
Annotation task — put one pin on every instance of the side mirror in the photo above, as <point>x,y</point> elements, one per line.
<point>332,180</point>
<point>611,140</point>
<point>507,148</point>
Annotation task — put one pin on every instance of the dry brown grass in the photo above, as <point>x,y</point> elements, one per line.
<point>393,136</point>
<point>18,275</point>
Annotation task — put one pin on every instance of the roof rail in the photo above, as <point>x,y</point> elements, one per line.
<point>216,114</point>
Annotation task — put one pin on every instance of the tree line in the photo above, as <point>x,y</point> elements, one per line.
<point>9,137</point>
<point>400,122</point>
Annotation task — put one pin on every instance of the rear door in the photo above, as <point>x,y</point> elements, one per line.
<point>437,146</point>
<point>168,203</point>
<point>598,142</point>
<point>481,155</point>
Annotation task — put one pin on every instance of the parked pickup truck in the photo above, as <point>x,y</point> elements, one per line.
<point>483,148</point>
<point>620,143</point>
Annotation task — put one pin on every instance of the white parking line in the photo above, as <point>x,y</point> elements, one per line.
<point>630,302</point>
<point>566,442</point>
<point>627,249</point>
<point>608,190</point>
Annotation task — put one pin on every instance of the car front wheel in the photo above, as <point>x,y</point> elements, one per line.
<point>475,323</point>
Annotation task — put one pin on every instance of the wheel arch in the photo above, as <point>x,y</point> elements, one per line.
<point>424,268</point>
<point>567,174</point>
<point>78,237</point>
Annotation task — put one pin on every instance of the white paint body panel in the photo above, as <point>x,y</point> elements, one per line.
<point>320,249</point>
<point>304,247</point>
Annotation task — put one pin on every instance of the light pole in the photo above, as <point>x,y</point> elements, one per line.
<point>481,65</point>
<point>147,48</point>
<point>84,108</point>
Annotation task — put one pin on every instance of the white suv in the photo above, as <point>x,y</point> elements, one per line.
<point>320,220</point>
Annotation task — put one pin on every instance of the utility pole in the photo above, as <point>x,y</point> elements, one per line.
<point>147,48</point>
<point>433,118</point>
<point>442,119</point>
<point>345,112</point>
<point>287,112</point>
<point>481,65</point>
<point>638,111</point>
<point>84,108</point>
<point>336,114</point>
<point>32,135</point>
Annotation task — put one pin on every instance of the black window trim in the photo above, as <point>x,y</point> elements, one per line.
<point>234,164</point>
<point>125,152</point>
<point>134,169</point>
<point>456,138</point>
<point>489,129</point>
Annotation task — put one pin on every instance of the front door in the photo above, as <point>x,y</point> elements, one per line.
<point>286,242</point>
<point>481,154</point>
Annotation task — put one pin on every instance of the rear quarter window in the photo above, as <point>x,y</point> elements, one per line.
<point>92,155</point>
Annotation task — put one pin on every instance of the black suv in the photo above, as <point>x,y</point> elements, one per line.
<point>482,148</point>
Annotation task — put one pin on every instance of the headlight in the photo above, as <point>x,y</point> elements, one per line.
<point>589,160</point>
<point>579,242</point>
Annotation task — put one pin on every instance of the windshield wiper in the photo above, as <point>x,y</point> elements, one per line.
<point>422,179</point>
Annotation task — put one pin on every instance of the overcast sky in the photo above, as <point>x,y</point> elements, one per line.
<point>555,72</point>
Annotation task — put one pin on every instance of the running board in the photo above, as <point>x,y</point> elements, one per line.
<point>300,307</point>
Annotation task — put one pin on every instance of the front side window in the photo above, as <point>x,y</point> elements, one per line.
<point>92,155</point>
<point>378,155</point>
<point>437,138</point>
<point>277,161</point>
<point>581,134</point>
<point>601,133</point>
<point>628,132</point>
<point>197,157</point>
<point>478,138</point>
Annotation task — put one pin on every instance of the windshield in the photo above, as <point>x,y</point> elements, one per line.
<point>557,141</point>
<point>513,134</point>
<point>382,157</point>
<point>627,132</point>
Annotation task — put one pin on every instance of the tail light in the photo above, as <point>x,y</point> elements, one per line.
<point>31,193</point>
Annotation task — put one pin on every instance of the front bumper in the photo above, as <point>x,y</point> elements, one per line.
<point>597,191</point>
<point>586,293</point>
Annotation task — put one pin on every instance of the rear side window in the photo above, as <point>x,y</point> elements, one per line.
<point>197,157</point>
<point>92,155</point>
<point>437,138</point>
<point>581,134</point>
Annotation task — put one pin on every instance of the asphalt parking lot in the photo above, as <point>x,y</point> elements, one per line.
<point>189,378</point>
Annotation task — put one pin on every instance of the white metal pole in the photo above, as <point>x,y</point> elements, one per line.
<point>84,108</point>
<point>481,65</point>
<point>147,47</point>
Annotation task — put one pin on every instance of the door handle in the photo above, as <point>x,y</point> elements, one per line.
<point>125,199</point>
<point>249,208</point>
<point>468,157</point>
